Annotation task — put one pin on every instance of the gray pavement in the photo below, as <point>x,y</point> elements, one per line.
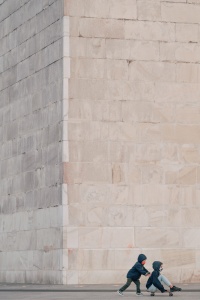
<point>105,292</point>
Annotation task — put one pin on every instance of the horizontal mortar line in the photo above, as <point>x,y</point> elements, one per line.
<point>78,290</point>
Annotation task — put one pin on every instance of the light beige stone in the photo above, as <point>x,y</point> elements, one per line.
<point>114,29</point>
<point>181,259</point>
<point>147,153</point>
<point>189,196</point>
<point>190,217</point>
<point>71,236</point>
<point>74,29</point>
<point>122,131</point>
<point>117,69</point>
<point>91,27</point>
<point>71,173</point>
<point>118,49</point>
<point>97,238</point>
<point>121,195</point>
<point>151,195</point>
<point>152,174</point>
<point>96,48</point>
<point>187,32</point>
<point>153,31</point>
<point>124,258</point>
<point>190,275</point>
<point>177,92</point>
<point>99,194</point>
<point>159,237</point>
<point>116,173</point>
<point>189,154</point>
<point>134,174</point>
<point>94,151</point>
<point>144,50</point>
<point>96,259</point>
<point>95,172</point>
<point>194,1</point>
<point>120,216</point>
<point>123,9</point>
<point>149,10</point>
<point>181,52</point>
<point>170,153</point>
<point>94,9</point>
<point>121,152</point>
<point>180,12</point>
<point>147,112</point>
<point>96,215</point>
<point>149,132</point>
<point>87,68</point>
<point>198,174</point>
<point>177,1</point>
<point>187,134</point>
<point>190,239</point>
<point>98,277</point>
<point>187,72</point>
<point>188,114</point>
<point>74,8</point>
<point>187,175</point>
<point>87,89</point>
<point>139,91</point>
<point>152,71</point>
<point>132,49</point>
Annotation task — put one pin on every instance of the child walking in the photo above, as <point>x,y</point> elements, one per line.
<point>134,275</point>
<point>155,281</point>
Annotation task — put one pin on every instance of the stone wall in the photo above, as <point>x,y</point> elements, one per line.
<point>134,138</point>
<point>31,94</point>
<point>109,89</point>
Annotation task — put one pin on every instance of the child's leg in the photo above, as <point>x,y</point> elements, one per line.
<point>152,289</point>
<point>164,279</point>
<point>124,287</point>
<point>137,283</point>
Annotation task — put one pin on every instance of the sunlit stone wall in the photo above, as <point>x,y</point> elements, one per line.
<point>134,138</point>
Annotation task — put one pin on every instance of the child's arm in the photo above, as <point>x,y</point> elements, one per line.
<point>147,272</point>
<point>142,270</point>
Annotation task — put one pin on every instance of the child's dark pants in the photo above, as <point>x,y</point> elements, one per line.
<point>128,283</point>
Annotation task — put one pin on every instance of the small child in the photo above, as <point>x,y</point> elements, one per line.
<point>134,274</point>
<point>154,281</point>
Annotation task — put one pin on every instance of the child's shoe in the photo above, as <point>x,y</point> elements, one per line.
<point>139,294</point>
<point>175,289</point>
<point>120,293</point>
<point>152,294</point>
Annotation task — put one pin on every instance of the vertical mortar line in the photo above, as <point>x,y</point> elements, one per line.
<point>65,148</point>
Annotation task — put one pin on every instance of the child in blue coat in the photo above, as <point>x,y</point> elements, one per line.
<point>156,279</point>
<point>134,275</point>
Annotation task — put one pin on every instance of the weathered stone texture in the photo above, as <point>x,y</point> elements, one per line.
<point>31,94</point>
<point>132,172</point>
<point>100,134</point>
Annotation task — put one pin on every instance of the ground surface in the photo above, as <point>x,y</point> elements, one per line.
<point>93,292</point>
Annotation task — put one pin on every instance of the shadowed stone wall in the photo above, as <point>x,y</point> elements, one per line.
<point>31,51</point>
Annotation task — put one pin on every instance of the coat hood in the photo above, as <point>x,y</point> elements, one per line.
<point>141,257</point>
<point>156,265</point>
